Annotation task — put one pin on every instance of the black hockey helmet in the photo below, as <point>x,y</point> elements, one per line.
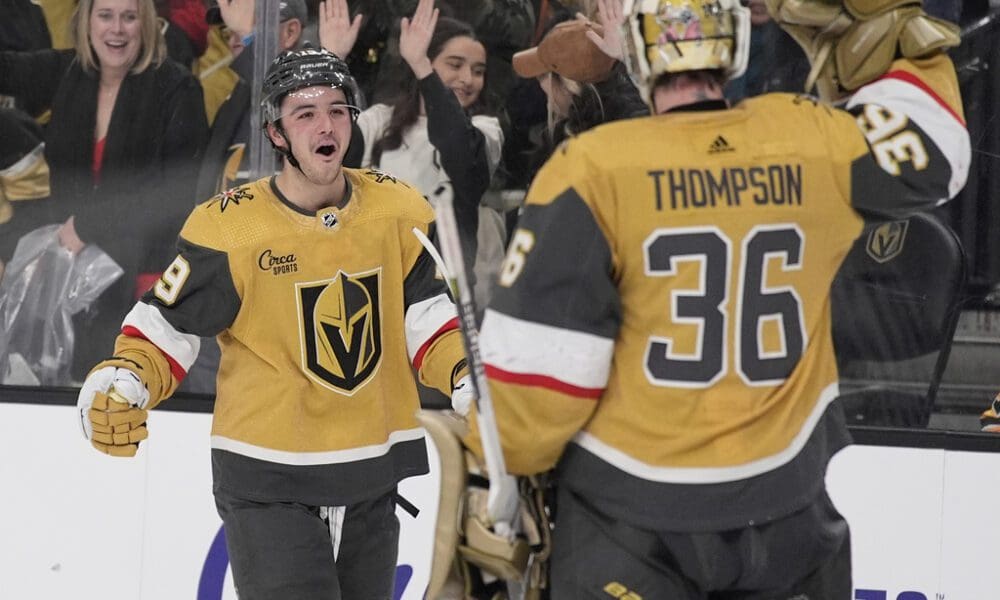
<point>297,69</point>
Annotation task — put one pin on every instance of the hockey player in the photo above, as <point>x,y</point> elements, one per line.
<point>323,301</point>
<point>661,330</point>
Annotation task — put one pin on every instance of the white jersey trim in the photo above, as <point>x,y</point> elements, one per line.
<point>519,346</point>
<point>302,459</point>
<point>181,347</point>
<point>944,129</point>
<point>424,319</point>
<point>702,475</point>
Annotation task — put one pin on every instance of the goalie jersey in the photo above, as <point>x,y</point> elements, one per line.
<point>661,329</point>
<point>322,319</point>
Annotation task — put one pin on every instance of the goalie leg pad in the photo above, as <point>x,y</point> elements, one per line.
<point>463,535</point>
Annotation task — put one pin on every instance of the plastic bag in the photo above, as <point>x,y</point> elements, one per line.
<point>42,287</point>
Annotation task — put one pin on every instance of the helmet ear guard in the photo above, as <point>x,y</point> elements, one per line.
<point>664,36</point>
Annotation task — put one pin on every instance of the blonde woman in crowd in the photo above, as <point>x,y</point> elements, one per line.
<point>127,129</point>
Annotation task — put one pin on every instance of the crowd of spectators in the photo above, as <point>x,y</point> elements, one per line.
<point>124,135</point>
<point>117,116</point>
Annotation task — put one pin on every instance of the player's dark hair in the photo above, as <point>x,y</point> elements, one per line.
<point>405,101</point>
<point>715,77</point>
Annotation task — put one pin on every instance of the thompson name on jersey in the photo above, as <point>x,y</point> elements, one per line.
<point>661,332</point>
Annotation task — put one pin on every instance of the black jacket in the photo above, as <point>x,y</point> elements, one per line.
<point>231,126</point>
<point>155,140</point>
<point>154,143</point>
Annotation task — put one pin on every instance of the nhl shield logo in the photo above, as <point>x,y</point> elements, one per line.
<point>341,329</point>
<point>885,242</point>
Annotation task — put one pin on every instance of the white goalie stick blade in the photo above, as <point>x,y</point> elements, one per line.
<point>502,498</point>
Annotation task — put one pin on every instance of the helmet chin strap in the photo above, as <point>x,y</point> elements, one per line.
<point>286,152</point>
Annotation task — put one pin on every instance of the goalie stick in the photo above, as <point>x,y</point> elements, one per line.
<point>502,498</point>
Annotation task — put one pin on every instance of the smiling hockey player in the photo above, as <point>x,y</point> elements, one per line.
<point>324,302</point>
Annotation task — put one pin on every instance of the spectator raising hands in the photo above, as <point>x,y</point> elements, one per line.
<point>337,30</point>
<point>415,36</point>
<point>612,19</point>
<point>435,128</point>
<point>127,130</point>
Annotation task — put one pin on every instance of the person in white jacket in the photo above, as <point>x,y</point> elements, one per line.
<point>436,128</point>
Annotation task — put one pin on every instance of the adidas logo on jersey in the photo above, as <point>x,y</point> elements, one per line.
<point>720,144</point>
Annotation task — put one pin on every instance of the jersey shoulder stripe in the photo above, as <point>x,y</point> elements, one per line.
<point>146,322</point>
<point>426,321</point>
<point>912,117</point>
<point>530,353</point>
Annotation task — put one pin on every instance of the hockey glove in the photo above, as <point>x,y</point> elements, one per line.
<point>853,42</point>
<point>462,396</point>
<point>990,419</point>
<point>111,410</point>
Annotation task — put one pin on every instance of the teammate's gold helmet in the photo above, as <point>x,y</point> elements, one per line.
<point>672,36</point>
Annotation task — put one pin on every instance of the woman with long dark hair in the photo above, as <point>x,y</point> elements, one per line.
<point>435,127</point>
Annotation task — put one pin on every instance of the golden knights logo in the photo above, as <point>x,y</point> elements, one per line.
<point>381,176</point>
<point>885,242</point>
<point>231,196</point>
<point>341,329</point>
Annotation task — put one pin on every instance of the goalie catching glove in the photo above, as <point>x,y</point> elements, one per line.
<point>853,42</point>
<point>112,414</point>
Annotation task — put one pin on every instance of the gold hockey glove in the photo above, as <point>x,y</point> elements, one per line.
<point>112,411</point>
<point>117,426</point>
<point>852,42</point>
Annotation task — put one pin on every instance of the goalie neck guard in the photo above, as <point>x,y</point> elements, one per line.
<point>666,36</point>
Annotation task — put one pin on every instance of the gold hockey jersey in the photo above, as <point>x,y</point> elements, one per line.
<point>321,319</point>
<point>662,324</point>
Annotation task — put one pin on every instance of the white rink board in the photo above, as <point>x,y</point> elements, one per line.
<point>78,524</point>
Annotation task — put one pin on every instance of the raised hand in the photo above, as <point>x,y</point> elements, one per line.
<point>337,31</point>
<point>238,15</point>
<point>415,36</point>
<point>609,15</point>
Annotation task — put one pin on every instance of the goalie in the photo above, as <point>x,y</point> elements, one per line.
<point>661,334</point>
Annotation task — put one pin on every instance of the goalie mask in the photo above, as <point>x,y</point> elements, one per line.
<point>673,36</point>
